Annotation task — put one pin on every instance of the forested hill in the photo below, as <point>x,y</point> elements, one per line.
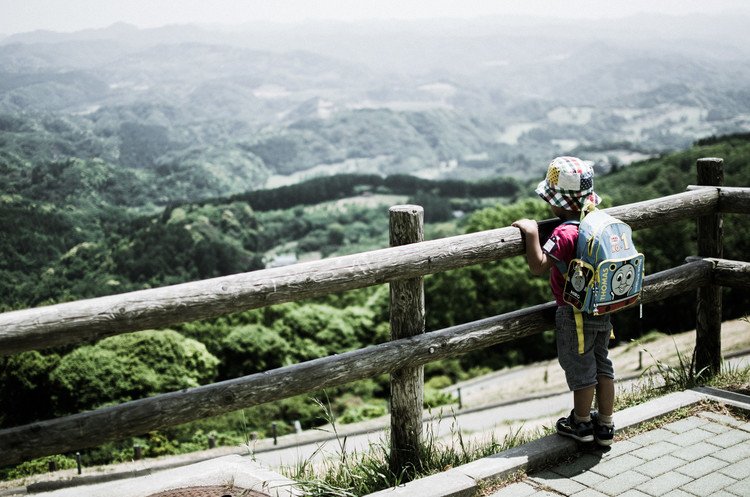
<point>68,233</point>
<point>324,189</point>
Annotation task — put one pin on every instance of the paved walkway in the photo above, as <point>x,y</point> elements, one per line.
<point>704,454</point>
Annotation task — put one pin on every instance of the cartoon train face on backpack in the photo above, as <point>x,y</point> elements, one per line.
<point>622,280</point>
<point>578,281</point>
<point>620,277</point>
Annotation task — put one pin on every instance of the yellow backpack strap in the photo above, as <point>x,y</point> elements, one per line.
<point>579,329</point>
<point>588,206</point>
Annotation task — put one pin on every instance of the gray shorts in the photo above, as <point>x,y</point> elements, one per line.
<point>581,370</point>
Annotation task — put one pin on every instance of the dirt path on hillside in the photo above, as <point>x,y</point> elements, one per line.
<point>630,359</point>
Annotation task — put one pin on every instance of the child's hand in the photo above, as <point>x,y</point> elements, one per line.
<point>526,226</point>
<point>538,260</point>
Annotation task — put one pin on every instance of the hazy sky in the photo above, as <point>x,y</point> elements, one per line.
<point>71,15</point>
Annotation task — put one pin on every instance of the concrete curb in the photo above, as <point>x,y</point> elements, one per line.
<point>233,470</point>
<point>147,467</point>
<point>466,480</point>
<point>731,398</point>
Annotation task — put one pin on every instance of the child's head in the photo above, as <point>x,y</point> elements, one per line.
<point>569,183</point>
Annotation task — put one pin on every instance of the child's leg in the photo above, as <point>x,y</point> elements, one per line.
<point>582,400</point>
<point>605,372</point>
<point>605,395</point>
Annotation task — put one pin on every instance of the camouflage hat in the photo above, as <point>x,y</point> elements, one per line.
<point>569,182</point>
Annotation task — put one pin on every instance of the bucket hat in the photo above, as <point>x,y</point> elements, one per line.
<point>569,183</point>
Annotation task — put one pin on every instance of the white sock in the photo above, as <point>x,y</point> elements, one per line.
<point>577,419</point>
<point>605,420</point>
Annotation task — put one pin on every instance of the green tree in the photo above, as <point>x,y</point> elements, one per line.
<point>251,349</point>
<point>25,389</point>
<point>90,377</point>
<point>436,208</point>
<point>131,366</point>
<point>317,330</point>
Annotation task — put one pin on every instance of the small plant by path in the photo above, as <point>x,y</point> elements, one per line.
<point>360,473</point>
<point>355,474</point>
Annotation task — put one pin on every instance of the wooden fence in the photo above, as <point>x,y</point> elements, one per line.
<point>403,265</point>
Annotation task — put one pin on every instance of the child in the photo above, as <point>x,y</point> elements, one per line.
<point>569,189</point>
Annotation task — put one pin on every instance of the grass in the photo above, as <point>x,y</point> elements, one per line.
<point>355,474</point>
<point>660,379</point>
<point>360,473</point>
<point>649,337</point>
<point>733,379</point>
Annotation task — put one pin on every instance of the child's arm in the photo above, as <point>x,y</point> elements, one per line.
<point>539,262</point>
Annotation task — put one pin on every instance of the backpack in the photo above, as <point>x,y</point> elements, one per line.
<point>607,273</point>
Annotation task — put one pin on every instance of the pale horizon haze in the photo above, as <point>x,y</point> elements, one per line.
<point>74,15</point>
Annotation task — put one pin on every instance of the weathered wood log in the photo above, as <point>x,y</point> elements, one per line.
<point>725,272</point>
<point>732,200</point>
<point>676,281</point>
<point>74,322</point>
<point>734,274</point>
<point>666,210</point>
<point>710,244</point>
<point>407,320</point>
<point>93,428</point>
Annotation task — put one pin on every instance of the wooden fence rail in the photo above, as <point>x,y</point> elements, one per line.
<point>74,322</point>
<point>732,274</point>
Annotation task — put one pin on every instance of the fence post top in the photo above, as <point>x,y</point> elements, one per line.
<point>406,208</point>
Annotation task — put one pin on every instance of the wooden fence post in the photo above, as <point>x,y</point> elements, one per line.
<point>710,244</point>
<point>407,319</point>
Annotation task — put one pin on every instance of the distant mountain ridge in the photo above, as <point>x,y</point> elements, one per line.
<point>120,31</point>
<point>206,109</point>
